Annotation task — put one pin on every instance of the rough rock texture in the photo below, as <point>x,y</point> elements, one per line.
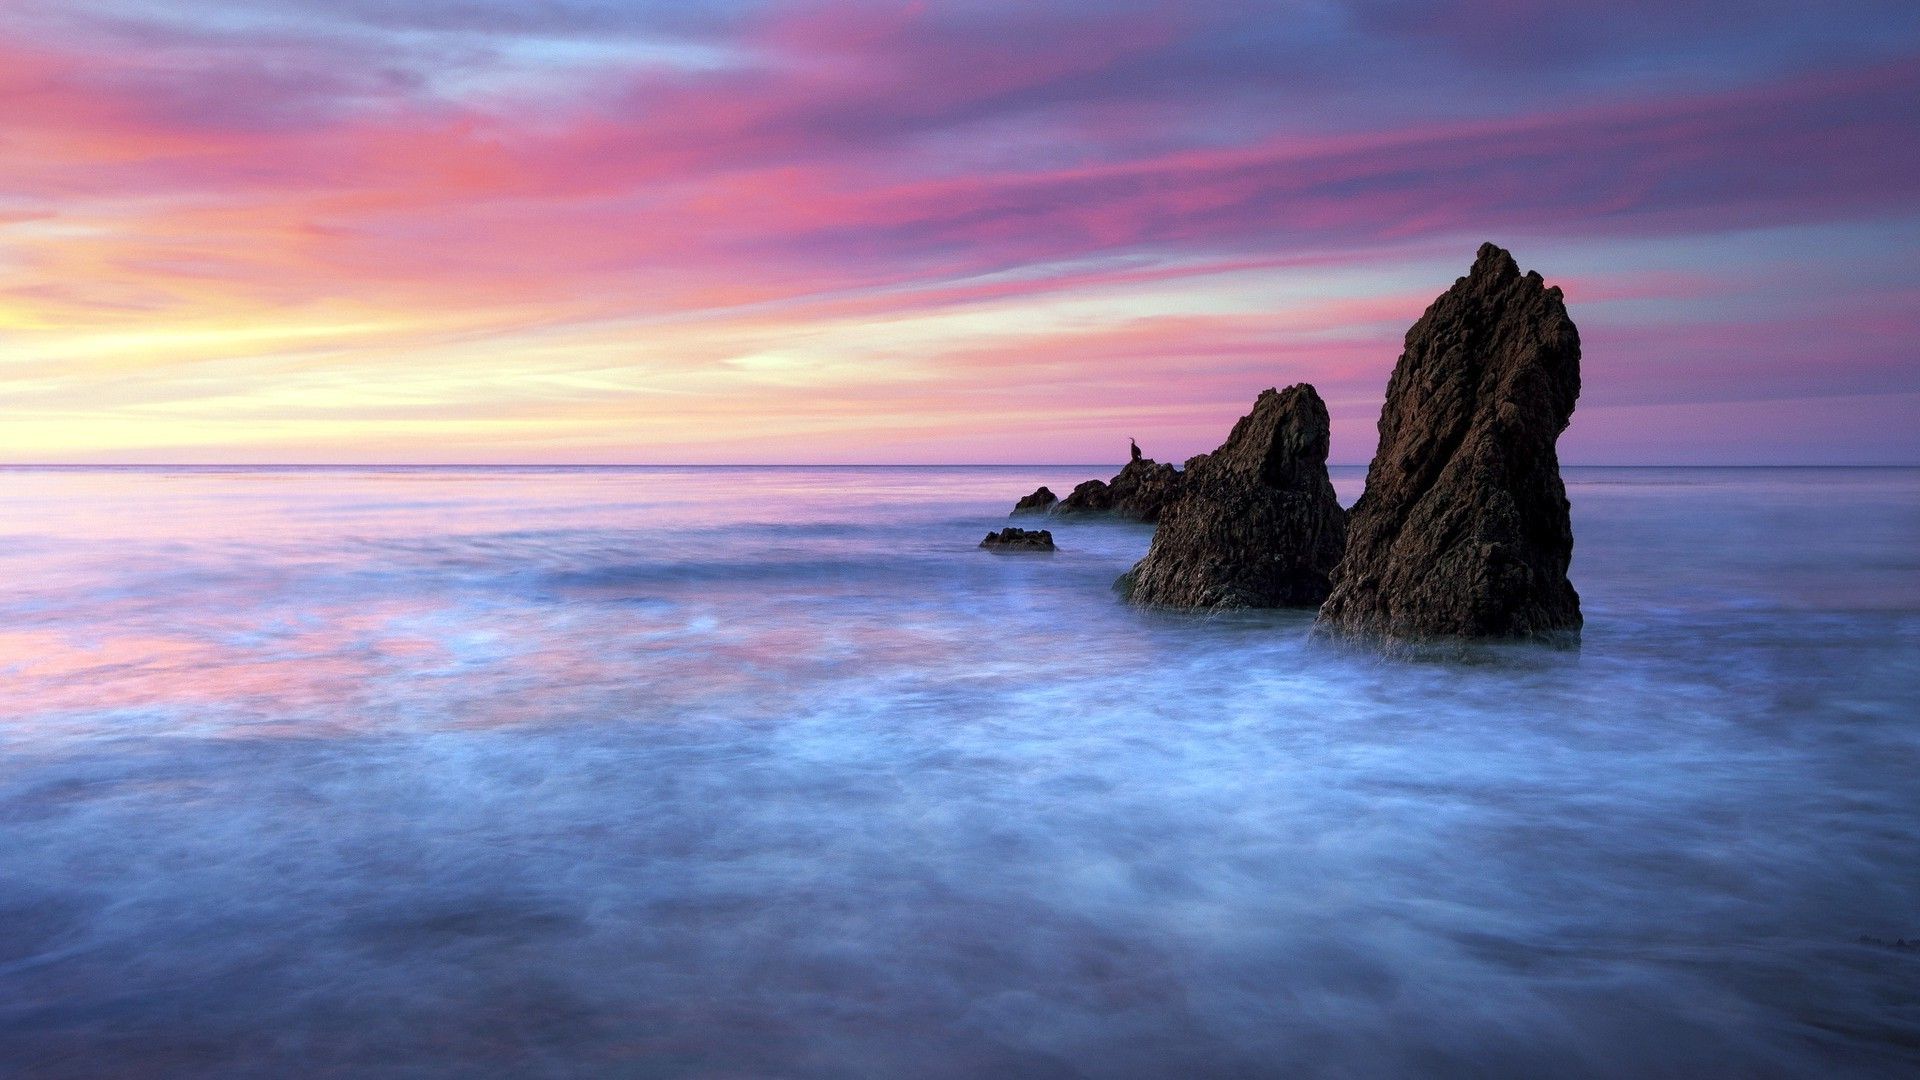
<point>1039,502</point>
<point>1463,530</point>
<point>1143,488</point>
<point>1011,539</point>
<point>1140,491</point>
<point>1257,523</point>
<point>1091,497</point>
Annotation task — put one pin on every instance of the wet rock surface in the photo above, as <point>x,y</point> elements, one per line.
<point>1464,530</point>
<point>1011,539</point>
<point>1039,502</point>
<point>1256,522</point>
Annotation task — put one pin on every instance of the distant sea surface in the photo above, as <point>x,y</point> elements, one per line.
<point>741,772</point>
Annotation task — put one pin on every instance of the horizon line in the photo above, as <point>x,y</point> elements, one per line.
<point>835,465</point>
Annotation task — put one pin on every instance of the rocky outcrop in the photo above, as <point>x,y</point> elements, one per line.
<point>1011,539</point>
<point>1090,497</point>
<point>1039,502</point>
<point>1256,523</point>
<point>1464,529</point>
<point>1140,491</point>
<point>1143,488</point>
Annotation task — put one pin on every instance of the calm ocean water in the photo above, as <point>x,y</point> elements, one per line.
<point>770,772</point>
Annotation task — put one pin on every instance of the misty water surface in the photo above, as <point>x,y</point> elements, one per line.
<point>732,772</point>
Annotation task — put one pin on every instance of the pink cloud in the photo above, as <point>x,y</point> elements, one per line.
<point>898,162</point>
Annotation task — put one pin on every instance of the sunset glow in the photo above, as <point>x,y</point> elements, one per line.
<point>588,231</point>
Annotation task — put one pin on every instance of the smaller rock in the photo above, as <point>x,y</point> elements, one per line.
<point>1012,539</point>
<point>1143,488</point>
<point>1039,502</point>
<point>1256,523</point>
<point>1138,492</point>
<point>1092,497</point>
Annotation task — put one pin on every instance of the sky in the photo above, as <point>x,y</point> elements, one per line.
<point>589,231</point>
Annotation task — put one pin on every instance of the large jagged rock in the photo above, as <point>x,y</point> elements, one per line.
<point>1140,491</point>
<point>1463,530</point>
<point>1257,523</point>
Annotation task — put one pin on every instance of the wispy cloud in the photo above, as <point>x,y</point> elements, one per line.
<point>870,218</point>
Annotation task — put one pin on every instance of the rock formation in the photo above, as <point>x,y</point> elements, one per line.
<point>1011,539</point>
<point>1463,530</point>
<point>1256,523</point>
<point>1090,497</point>
<point>1039,502</point>
<point>1141,489</point>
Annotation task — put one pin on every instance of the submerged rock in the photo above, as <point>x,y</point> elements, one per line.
<point>1140,491</point>
<point>1039,502</point>
<point>1464,529</point>
<point>1011,539</point>
<point>1256,523</point>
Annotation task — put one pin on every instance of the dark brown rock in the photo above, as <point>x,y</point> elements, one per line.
<point>1464,529</point>
<point>1091,497</point>
<point>1141,489</point>
<point>1256,523</point>
<point>1039,502</point>
<point>1011,539</point>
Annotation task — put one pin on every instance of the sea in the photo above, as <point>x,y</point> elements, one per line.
<point>773,772</point>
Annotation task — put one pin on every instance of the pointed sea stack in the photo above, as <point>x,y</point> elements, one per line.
<point>1463,530</point>
<point>1256,523</point>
